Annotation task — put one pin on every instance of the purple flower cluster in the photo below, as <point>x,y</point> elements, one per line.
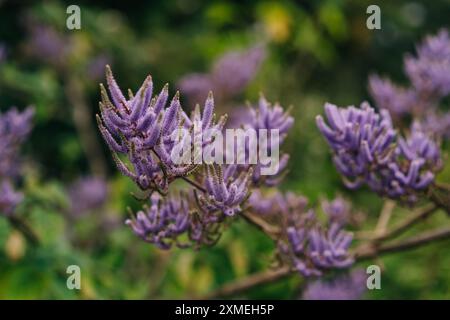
<point>429,74</point>
<point>14,129</point>
<point>351,286</point>
<point>307,244</point>
<point>229,76</point>
<point>87,194</point>
<point>398,100</point>
<point>367,150</point>
<point>429,71</point>
<point>225,191</point>
<point>9,198</point>
<point>47,44</point>
<point>143,128</point>
<point>268,117</point>
<point>312,246</point>
<point>173,220</point>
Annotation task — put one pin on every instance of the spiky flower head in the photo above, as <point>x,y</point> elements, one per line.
<point>226,190</point>
<point>366,150</point>
<point>144,128</point>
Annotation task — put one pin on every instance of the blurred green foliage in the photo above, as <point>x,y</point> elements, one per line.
<point>318,51</point>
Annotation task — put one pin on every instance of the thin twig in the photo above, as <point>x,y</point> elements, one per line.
<point>402,226</point>
<point>364,252</point>
<point>361,253</point>
<point>194,184</point>
<point>269,229</point>
<point>385,216</point>
<point>249,282</point>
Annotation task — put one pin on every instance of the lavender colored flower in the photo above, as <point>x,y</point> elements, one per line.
<point>144,128</point>
<point>437,124</point>
<point>47,44</point>
<point>309,245</point>
<point>397,100</point>
<point>329,248</point>
<point>338,210</point>
<point>366,151</point>
<point>229,76</point>
<point>233,71</point>
<point>418,157</point>
<point>14,129</point>
<point>263,204</point>
<point>172,221</point>
<point>267,117</point>
<point>429,72</point>
<point>9,198</point>
<point>225,190</point>
<point>351,286</point>
<point>87,194</point>
<point>361,140</point>
<point>162,222</point>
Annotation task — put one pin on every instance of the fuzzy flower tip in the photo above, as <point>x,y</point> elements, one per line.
<point>15,127</point>
<point>143,127</point>
<point>225,190</point>
<point>267,119</point>
<point>367,150</point>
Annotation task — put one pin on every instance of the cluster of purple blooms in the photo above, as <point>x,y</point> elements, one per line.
<point>368,150</point>
<point>141,129</point>
<point>429,74</point>
<point>14,129</point>
<point>309,245</point>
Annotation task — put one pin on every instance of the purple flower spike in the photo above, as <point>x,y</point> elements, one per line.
<point>162,222</point>
<point>398,101</point>
<point>144,129</point>
<point>268,117</point>
<point>15,127</point>
<point>430,70</point>
<point>330,249</point>
<point>225,191</point>
<point>367,151</point>
<point>360,139</point>
<point>309,245</point>
<point>337,210</point>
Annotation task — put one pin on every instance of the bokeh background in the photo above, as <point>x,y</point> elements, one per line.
<point>316,51</point>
